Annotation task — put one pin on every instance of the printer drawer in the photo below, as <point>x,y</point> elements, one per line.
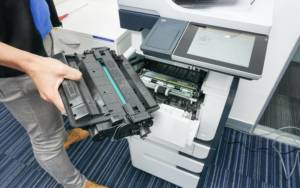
<point>149,149</point>
<point>71,43</point>
<point>195,150</point>
<point>163,162</point>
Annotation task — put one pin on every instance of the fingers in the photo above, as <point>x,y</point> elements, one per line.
<point>59,104</point>
<point>72,74</point>
<point>57,101</point>
<point>57,98</point>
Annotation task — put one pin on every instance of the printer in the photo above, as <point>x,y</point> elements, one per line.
<point>191,54</point>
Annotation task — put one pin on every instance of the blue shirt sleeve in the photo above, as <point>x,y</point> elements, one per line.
<point>41,16</point>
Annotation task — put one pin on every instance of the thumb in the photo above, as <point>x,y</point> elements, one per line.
<point>56,100</point>
<point>72,74</point>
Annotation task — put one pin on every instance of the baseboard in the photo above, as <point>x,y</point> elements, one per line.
<point>239,125</point>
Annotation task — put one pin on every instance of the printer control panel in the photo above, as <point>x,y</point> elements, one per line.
<point>228,51</point>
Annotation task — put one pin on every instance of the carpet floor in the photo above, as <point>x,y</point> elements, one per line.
<point>108,163</point>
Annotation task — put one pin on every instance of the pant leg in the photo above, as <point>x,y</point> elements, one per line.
<point>44,125</point>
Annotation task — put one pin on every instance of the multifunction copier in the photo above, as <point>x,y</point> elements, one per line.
<point>190,55</point>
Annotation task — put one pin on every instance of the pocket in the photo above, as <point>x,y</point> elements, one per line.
<point>10,90</point>
<point>26,84</point>
<point>1,95</point>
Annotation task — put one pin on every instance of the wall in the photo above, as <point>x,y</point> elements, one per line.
<point>57,2</point>
<point>253,96</point>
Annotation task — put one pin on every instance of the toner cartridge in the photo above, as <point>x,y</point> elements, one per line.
<point>110,100</point>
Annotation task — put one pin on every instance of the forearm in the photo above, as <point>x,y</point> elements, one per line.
<point>18,59</point>
<point>46,73</point>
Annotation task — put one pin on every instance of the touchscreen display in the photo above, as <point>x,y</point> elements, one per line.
<point>221,45</point>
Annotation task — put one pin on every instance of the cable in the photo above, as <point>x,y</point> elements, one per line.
<point>257,149</point>
<point>275,149</point>
<point>113,137</point>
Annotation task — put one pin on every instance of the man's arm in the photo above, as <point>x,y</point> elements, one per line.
<point>46,73</point>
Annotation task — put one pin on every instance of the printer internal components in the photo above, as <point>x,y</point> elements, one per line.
<point>169,84</point>
<point>110,100</point>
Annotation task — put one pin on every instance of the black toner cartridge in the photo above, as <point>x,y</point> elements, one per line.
<point>110,100</point>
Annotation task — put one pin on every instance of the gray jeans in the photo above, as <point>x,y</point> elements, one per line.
<point>44,125</point>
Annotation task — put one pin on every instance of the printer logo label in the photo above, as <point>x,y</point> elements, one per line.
<point>163,20</point>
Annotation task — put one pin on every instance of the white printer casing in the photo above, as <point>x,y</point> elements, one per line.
<point>256,18</point>
<point>183,165</point>
<point>186,165</point>
<point>164,159</point>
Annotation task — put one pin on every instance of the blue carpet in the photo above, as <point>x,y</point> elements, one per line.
<point>109,163</point>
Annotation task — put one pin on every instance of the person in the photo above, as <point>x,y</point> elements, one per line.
<point>29,82</point>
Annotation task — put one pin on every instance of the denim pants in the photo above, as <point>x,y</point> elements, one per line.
<point>44,125</point>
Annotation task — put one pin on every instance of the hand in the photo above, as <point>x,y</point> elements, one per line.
<point>48,74</point>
